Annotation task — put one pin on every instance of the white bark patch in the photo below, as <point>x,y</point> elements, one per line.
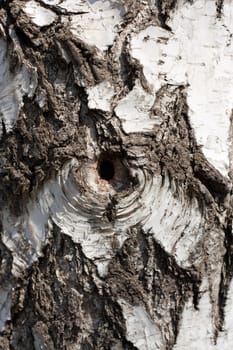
<point>13,86</point>
<point>98,27</point>
<point>141,330</point>
<point>198,53</point>
<point>38,14</point>
<point>134,111</point>
<point>25,236</point>
<point>206,47</point>
<point>177,226</point>
<point>77,201</point>
<point>70,5</point>
<point>196,330</point>
<point>149,47</point>
<point>100,95</point>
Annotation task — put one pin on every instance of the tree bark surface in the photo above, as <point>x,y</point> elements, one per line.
<point>115,175</point>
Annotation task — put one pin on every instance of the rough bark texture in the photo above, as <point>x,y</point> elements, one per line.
<point>115,174</point>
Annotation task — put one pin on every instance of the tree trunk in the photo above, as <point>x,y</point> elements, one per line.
<point>116,167</point>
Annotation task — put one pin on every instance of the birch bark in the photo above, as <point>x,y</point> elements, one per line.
<point>116,174</point>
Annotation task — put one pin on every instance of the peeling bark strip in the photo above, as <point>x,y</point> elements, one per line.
<point>115,174</point>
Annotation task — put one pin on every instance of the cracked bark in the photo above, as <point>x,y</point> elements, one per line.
<point>116,169</point>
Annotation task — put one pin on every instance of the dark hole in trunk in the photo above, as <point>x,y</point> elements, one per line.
<point>106,170</point>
